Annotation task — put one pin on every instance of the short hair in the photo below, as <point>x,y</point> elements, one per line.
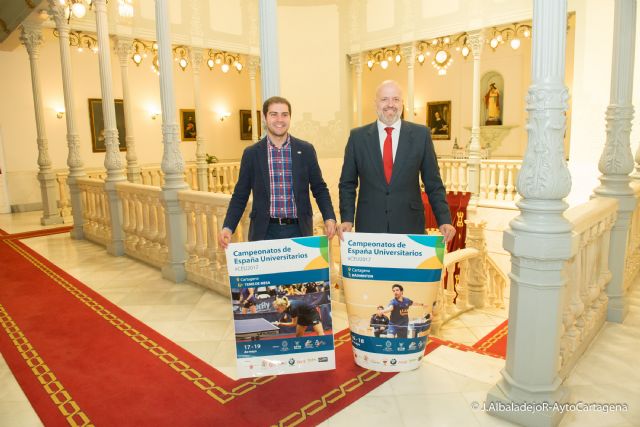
<point>398,286</point>
<point>281,302</point>
<point>274,100</point>
<point>380,307</point>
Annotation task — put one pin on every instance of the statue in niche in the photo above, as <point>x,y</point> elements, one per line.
<point>492,102</point>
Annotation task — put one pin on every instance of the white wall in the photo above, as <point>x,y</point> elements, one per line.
<point>220,92</point>
<point>313,73</point>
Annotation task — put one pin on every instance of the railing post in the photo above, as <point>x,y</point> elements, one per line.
<point>540,238</point>
<point>172,161</point>
<point>477,274</point>
<point>616,162</point>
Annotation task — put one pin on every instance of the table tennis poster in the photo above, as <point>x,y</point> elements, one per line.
<point>281,297</point>
<point>390,284</point>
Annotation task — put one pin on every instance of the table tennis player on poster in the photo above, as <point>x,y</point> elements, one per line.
<point>281,301</point>
<point>390,285</point>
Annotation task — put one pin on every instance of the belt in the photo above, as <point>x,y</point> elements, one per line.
<point>283,221</point>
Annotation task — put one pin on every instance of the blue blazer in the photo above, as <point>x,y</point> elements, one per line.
<point>254,178</point>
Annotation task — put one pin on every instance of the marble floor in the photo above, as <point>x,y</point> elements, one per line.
<point>444,388</point>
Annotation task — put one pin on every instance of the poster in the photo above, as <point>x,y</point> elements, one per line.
<point>281,299</point>
<point>390,285</point>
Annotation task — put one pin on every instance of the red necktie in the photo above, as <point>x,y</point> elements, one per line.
<point>387,155</point>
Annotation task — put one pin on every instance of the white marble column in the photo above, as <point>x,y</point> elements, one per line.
<point>76,169</point>
<point>269,52</point>
<point>356,61</point>
<point>253,63</point>
<point>124,51</point>
<point>539,239</point>
<point>201,155</point>
<point>112,158</point>
<point>476,43</point>
<point>31,38</point>
<point>409,54</point>
<point>172,162</point>
<point>617,162</point>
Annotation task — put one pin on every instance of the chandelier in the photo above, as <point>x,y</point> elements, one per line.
<point>78,8</point>
<point>225,60</point>
<point>384,57</point>
<point>439,49</point>
<point>512,34</point>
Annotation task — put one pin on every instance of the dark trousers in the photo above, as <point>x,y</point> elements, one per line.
<point>277,231</point>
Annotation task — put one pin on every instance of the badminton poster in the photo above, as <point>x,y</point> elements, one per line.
<point>281,300</point>
<point>390,286</point>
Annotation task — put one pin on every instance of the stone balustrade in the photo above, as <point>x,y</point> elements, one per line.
<point>95,210</point>
<point>143,223</point>
<point>632,261</point>
<point>585,300</point>
<point>206,262</point>
<point>497,180</point>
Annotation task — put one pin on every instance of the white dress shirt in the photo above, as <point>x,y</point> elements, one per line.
<point>395,135</point>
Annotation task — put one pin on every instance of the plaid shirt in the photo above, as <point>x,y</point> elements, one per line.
<point>283,204</point>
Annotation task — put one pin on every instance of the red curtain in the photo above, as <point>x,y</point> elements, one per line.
<point>458,203</point>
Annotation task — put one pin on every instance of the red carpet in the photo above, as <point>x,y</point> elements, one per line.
<point>81,360</point>
<point>37,233</point>
<point>495,343</point>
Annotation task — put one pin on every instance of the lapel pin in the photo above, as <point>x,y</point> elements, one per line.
<point>299,152</point>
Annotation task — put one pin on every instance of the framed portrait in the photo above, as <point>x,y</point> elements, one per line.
<point>96,122</point>
<point>439,119</point>
<point>188,125</point>
<point>246,124</point>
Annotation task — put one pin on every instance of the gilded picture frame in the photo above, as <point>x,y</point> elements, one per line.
<point>439,119</point>
<point>188,124</point>
<point>96,123</point>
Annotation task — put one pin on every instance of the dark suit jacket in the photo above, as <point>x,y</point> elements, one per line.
<point>395,207</point>
<point>254,178</point>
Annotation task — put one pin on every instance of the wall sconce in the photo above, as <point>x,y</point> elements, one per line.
<point>384,57</point>
<point>225,60</point>
<point>154,114</point>
<point>59,113</point>
<point>224,115</point>
<point>180,55</point>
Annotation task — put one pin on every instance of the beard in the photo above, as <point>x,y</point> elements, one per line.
<point>389,116</point>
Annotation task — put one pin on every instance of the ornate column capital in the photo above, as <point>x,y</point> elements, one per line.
<point>409,53</point>
<point>57,13</point>
<point>197,58</point>
<point>31,38</point>
<point>476,42</point>
<point>123,48</point>
<point>355,59</point>
<point>253,62</point>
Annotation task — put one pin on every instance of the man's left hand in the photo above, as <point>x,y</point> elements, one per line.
<point>330,228</point>
<point>448,231</point>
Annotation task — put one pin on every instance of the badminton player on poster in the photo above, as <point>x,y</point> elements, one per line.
<point>390,285</point>
<point>282,306</point>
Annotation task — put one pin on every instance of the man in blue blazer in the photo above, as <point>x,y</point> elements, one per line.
<point>386,160</point>
<point>279,170</point>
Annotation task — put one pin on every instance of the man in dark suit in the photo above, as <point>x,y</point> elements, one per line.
<point>279,170</point>
<point>386,159</point>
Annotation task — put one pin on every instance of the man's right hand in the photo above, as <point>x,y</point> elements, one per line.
<point>345,227</point>
<point>224,237</point>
